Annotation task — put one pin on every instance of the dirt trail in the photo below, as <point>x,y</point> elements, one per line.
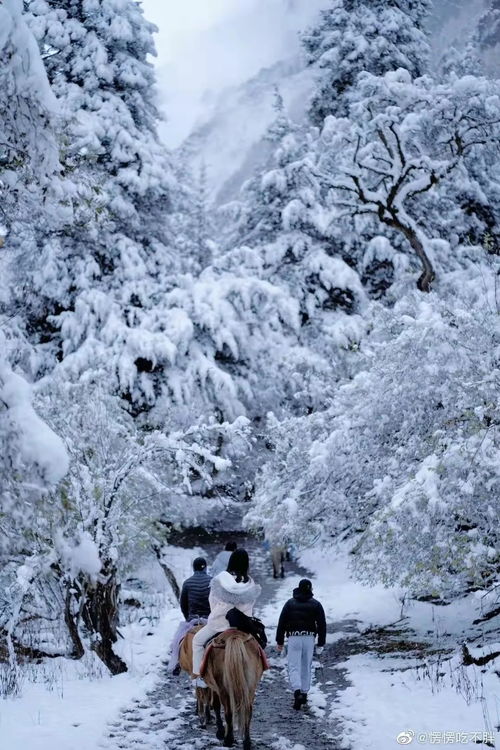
<point>165,719</point>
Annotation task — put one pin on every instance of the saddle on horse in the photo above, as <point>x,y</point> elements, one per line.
<point>220,640</point>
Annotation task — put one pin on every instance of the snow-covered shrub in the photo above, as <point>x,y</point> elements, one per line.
<point>406,453</point>
<point>101,518</point>
<point>186,351</point>
<point>32,459</point>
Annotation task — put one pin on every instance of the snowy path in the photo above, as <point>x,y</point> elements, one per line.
<point>165,717</point>
<point>376,678</point>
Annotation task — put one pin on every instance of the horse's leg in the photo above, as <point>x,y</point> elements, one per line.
<point>229,738</point>
<point>247,743</point>
<point>201,705</point>
<point>228,717</point>
<point>218,718</point>
<point>196,703</point>
<point>208,715</point>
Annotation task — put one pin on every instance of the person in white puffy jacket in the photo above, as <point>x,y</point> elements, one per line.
<point>222,559</point>
<point>231,588</point>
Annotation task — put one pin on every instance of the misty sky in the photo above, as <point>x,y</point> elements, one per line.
<point>205,45</point>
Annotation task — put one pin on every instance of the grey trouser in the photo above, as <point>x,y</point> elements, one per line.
<point>300,656</point>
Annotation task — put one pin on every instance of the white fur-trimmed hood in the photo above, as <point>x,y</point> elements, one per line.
<point>225,588</point>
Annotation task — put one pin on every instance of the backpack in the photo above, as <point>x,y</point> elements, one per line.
<point>252,625</point>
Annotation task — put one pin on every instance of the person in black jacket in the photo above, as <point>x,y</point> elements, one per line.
<point>195,591</point>
<point>194,606</point>
<point>302,619</point>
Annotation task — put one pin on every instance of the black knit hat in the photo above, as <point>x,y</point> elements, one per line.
<point>305,586</point>
<point>199,564</point>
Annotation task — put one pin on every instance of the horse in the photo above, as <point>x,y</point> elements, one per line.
<point>204,696</point>
<point>278,558</point>
<point>232,670</point>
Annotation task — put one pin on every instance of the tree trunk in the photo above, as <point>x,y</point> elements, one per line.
<point>100,615</point>
<point>104,651</point>
<point>427,276</point>
<point>168,572</point>
<point>72,625</point>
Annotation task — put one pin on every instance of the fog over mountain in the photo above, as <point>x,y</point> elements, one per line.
<point>452,22</point>
<point>207,47</point>
<point>219,69</point>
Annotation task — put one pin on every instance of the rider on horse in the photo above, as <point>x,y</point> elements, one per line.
<point>194,605</point>
<point>231,588</point>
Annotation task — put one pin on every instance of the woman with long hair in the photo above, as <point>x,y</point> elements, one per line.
<point>231,588</point>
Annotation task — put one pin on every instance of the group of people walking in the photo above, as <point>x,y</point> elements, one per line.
<point>207,598</point>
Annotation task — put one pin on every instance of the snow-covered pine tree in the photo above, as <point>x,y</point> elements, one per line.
<point>280,236</point>
<point>191,217</point>
<point>32,458</point>
<point>29,160</point>
<point>28,164</point>
<point>113,250</point>
<point>457,61</point>
<point>354,36</point>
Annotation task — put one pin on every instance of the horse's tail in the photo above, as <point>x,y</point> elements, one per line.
<point>239,681</point>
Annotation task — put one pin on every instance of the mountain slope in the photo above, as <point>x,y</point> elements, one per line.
<point>228,139</point>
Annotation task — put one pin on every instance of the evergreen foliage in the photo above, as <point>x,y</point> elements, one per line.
<point>357,36</point>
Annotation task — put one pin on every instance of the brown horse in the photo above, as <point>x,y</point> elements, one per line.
<point>203,695</point>
<point>233,670</point>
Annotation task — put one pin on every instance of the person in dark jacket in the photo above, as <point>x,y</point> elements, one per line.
<point>302,620</point>
<point>194,606</point>
<point>222,559</point>
<point>195,591</point>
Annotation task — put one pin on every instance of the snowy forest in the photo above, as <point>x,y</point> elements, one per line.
<point>301,348</point>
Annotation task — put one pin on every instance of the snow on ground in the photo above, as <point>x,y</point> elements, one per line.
<point>441,702</point>
<point>381,705</point>
<point>64,709</point>
<point>344,598</point>
<point>69,712</point>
